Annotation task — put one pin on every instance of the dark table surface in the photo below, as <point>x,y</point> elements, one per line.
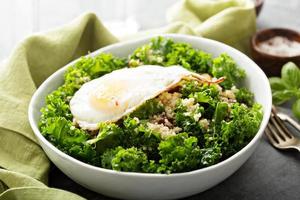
<point>269,173</point>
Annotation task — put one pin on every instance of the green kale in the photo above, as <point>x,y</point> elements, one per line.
<point>139,135</point>
<point>211,156</point>
<point>153,53</point>
<point>212,151</point>
<point>55,107</point>
<point>108,156</point>
<point>56,118</point>
<point>220,113</point>
<point>188,121</point>
<point>110,135</point>
<point>165,52</point>
<point>243,95</point>
<point>207,95</point>
<point>149,108</point>
<point>203,93</point>
<point>185,55</point>
<point>224,66</point>
<point>69,139</point>
<point>179,153</point>
<point>130,145</point>
<point>190,87</point>
<point>240,129</point>
<point>128,160</point>
<point>94,67</point>
<point>61,131</point>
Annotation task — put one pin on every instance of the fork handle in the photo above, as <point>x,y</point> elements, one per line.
<point>293,123</point>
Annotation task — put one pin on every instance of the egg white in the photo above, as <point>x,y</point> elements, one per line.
<point>114,95</point>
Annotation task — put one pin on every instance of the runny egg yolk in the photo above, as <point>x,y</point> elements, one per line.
<point>107,97</point>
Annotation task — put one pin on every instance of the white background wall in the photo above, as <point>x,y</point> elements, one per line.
<point>20,18</point>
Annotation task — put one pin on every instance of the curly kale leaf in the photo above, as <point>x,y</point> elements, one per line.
<point>110,135</point>
<point>188,120</point>
<point>55,107</point>
<point>139,135</point>
<point>69,139</point>
<point>153,53</point>
<point>88,68</point>
<point>179,153</point>
<point>243,95</point>
<point>108,156</point>
<point>210,91</point>
<point>63,132</point>
<point>242,127</point>
<point>149,108</point>
<point>94,67</point>
<point>204,94</point>
<point>165,52</point>
<point>224,66</point>
<point>128,160</point>
<point>190,87</point>
<point>211,156</point>
<point>185,55</point>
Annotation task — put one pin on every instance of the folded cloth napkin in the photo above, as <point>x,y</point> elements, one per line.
<point>24,165</point>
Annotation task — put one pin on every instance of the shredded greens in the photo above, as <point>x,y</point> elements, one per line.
<point>206,124</point>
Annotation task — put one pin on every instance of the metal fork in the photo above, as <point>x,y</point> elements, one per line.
<point>278,134</point>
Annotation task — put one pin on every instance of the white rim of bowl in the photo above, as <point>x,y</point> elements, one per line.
<point>267,112</point>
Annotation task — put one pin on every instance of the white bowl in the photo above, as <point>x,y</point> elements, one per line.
<point>129,185</point>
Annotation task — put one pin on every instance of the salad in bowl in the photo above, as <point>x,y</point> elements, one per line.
<point>152,113</point>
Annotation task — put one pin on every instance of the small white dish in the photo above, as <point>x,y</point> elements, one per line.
<point>129,185</point>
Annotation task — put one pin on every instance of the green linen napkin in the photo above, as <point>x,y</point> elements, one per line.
<point>24,165</point>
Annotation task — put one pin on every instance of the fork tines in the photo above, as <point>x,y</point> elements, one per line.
<point>278,133</point>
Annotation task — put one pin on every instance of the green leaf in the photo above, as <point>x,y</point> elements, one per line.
<point>129,160</point>
<point>280,97</point>
<point>149,108</point>
<point>296,108</point>
<point>221,112</point>
<point>201,97</point>
<point>110,135</point>
<point>225,66</point>
<point>277,83</point>
<point>243,95</point>
<point>179,153</point>
<point>290,74</point>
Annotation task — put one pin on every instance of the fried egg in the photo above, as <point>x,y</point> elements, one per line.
<point>114,95</point>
